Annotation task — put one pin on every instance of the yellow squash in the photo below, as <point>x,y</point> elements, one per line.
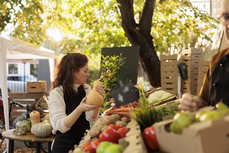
<point>94,98</point>
<point>35,118</point>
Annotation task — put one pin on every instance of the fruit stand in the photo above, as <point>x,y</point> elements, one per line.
<point>152,123</point>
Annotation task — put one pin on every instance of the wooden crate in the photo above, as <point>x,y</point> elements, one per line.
<point>203,67</point>
<point>36,87</point>
<point>192,52</point>
<point>191,57</point>
<point>169,73</point>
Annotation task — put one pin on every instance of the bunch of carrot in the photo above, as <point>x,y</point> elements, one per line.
<point>125,110</point>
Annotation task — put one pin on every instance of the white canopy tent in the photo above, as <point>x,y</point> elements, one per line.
<point>12,48</point>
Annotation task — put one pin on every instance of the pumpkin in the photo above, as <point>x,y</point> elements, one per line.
<point>94,98</point>
<point>42,129</point>
<point>35,118</point>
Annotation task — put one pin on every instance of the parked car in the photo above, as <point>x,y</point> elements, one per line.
<point>17,82</point>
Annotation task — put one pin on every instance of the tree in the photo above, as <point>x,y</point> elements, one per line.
<point>139,33</point>
<point>89,25</point>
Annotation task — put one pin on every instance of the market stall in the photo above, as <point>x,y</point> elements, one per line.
<point>12,48</point>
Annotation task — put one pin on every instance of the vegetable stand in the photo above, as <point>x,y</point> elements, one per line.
<point>28,137</point>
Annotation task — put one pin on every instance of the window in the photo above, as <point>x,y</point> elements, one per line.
<point>13,68</point>
<point>34,69</point>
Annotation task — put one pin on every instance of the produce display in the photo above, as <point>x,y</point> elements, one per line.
<point>195,131</point>
<point>36,121</point>
<point>186,118</point>
<point>123,125</point>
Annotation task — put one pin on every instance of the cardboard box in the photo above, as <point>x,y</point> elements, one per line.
<point>40,86</point>
<point>203,137</point>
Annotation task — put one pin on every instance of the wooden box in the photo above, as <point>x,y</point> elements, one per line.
<point>169,73</point>
<point>40,86</point>
<point>191,57</point>
<point>196,53</point>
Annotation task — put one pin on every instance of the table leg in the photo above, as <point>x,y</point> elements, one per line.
<point>49,147</point>
<point>11,146</point>
<point>38,147</point>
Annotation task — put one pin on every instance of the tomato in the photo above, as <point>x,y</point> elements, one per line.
<point>122,132</point>
<point>95,143</point>
<point>150,138</point>
<point>110,135</point>
<point>89,149</point>
<point>115,127</point>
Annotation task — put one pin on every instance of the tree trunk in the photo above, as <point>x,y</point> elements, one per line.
<point>139,35</point>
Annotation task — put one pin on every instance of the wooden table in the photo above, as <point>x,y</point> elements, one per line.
<point>10,134</point>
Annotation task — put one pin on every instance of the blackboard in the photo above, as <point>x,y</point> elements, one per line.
<point>132,60</point>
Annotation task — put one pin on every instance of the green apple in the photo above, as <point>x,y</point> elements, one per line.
<point>199,114</point>
<point>181,120</point>
<point>210,115</point>
<point>102,146</point>
<point>115,148</point>
<point>221,106</point>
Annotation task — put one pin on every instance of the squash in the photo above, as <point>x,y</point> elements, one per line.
<point>42,129</point>
<point>47,117</point>
<point>35,118</point>
<point>94,98</point>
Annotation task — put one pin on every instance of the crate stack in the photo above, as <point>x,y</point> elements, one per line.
<point>191,57</point>
<point>169,73</point>
<point>203,67</point>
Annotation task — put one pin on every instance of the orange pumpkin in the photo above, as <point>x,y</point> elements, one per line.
<point>94,98</point>
<point>35,118</point>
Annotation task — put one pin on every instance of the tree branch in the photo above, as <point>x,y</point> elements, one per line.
<point>147,15</point>
<point>128,22</point>
<point>126,8</point>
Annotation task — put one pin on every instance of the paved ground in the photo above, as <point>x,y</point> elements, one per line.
<point>19,147</point>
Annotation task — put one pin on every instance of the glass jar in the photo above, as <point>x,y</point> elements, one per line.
<point>20,128</point>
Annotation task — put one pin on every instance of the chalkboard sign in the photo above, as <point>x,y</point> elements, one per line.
<point>132,59</point>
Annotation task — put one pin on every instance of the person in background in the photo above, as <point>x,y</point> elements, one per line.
<point>216,81</point>
<point>68,110</point>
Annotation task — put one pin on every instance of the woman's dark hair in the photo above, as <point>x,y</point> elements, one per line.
<point>69,64</point>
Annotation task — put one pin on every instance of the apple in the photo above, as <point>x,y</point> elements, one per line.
<point>102,146</point>
<point>114,148</point>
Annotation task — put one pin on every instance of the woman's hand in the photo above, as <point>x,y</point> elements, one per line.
<point>83,106</point>
<point>189,101</point>
<point>100,90</point>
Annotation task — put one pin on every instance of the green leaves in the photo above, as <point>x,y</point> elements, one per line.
<point>178,26</point>
<point>112,69</point>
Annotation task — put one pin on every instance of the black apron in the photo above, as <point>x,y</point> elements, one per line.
<point>66,141</point>
<point>219,82</point>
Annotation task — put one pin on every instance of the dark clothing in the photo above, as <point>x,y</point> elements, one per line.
<point>219,82</point>
<point>216,81</point>
<point>66,141</point>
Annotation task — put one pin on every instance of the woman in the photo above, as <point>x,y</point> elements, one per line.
<point>69,113</point>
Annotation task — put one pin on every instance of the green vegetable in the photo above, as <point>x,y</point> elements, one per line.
<point>27,122</point>
<point>146,115</point>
